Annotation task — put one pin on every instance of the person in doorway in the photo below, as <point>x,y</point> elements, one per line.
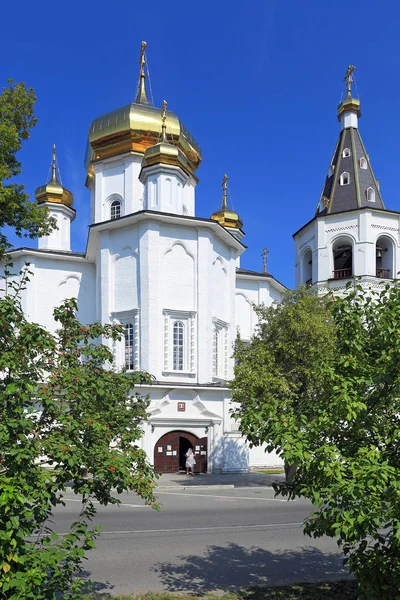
<point>190,462</point>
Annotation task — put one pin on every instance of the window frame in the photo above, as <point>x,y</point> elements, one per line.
<point>220,349</point>
<point>363,161</point>
<point>188,321</point>
<point>367,194</point>
<point>346,153</point>
<point>342,177</point>
<point>117,205</point>
<point>126,318</point>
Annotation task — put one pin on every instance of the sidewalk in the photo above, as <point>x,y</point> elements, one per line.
<point>218,481</point>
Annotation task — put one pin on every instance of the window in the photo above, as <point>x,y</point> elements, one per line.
<point>126,351</point>
<point>346,153</point>
<point>129,347</point>
<point>370,193</point>
<point>384,258</point>
<point>116,209</point>
<point>363,163</point>
<point>177,351</point>
<point>220,346</point>
<point>342,259</point>
<point>179,342</point>
<point>345,179</point>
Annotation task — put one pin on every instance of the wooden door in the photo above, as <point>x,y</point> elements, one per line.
<point>168,449</point>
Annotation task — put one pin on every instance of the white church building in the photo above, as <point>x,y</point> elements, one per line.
<point>174,281</point>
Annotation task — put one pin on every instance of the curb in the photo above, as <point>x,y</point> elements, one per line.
<point>163,488</point>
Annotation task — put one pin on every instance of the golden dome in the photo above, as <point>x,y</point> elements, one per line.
<point>53,191</point>
<point>350,103</point>
<point>164,152</point>
<point>225,216</point>
<point>136,127</point>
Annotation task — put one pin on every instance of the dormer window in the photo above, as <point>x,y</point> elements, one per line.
<point>346,153</point>
<point>116,209</point>
<point>345,178</point>
<point>370,193</point>
<point>363,163</point>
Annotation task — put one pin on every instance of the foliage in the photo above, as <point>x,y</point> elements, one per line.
<point>16,120</point>
<point>277,375</point>
<point>61,409</point>
<point>347,441</point>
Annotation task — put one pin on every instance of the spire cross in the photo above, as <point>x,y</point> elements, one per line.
<point>142,60</point>
<point>54,166</point>
<point>163,119</point>
<point>348,79</point>
<point>224,190</point>
<point>264,255</point>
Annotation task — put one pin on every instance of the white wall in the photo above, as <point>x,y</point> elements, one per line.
<point>361,229</point>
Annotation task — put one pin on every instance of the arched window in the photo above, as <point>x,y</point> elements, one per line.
<point>345,178</point>
<point>342,259</point>
<point>307,267</point>
<point>370,193</point>
<point>346,153</point>
<point>363,163</point>
<point>177,346</point>
<point>384,258</point>
<point>129,352</point>
<point>116,209</point>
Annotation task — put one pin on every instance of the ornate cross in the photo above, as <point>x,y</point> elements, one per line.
<point>142,59</point>
<point>224,188</point>
<point>348,78</point>
<point>163,119</point>
<point>54,165</point>
<point>264,255</point>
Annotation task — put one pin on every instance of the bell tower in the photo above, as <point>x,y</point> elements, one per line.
<point>352,235</point>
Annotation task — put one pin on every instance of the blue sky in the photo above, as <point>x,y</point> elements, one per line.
<point>257,83</point>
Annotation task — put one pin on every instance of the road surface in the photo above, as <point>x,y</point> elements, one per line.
<point>203,540</point>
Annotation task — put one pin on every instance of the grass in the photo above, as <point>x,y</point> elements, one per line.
<point>337,590</point>
<point>270,471</point>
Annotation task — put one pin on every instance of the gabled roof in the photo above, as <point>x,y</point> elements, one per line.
<point>336,198</point>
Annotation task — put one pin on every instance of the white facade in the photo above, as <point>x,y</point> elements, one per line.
<point>366,232</point>
<point>172,280</point>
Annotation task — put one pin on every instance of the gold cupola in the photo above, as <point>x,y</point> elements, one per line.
<point>136,127</point>
<point>349,104</point>
<point>164,152</point>
<point>53,191</point>
<point>225,216</point>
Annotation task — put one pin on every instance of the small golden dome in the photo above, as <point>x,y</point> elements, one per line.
<point>53,191</point>
<point>225,216</point>
<point>348,104</point>
<point>164,152</point>
<point>136,127</point>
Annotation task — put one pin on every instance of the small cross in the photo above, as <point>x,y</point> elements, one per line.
<point>264,256</point>
<point>348,79</point>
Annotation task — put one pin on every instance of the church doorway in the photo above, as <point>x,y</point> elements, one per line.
<point>171,448</point>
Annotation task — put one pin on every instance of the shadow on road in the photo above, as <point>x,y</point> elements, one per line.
<point>232,566</point>
<point>98,588</point>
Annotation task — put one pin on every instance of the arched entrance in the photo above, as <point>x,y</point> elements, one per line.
<point>171,448</point>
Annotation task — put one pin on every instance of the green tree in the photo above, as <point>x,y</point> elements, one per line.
<point>16,211</point>
<point>277,375</point>
<point>347,440</point>
<point>61,408</point>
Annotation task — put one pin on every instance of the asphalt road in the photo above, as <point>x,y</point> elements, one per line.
<point>203,540</point>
